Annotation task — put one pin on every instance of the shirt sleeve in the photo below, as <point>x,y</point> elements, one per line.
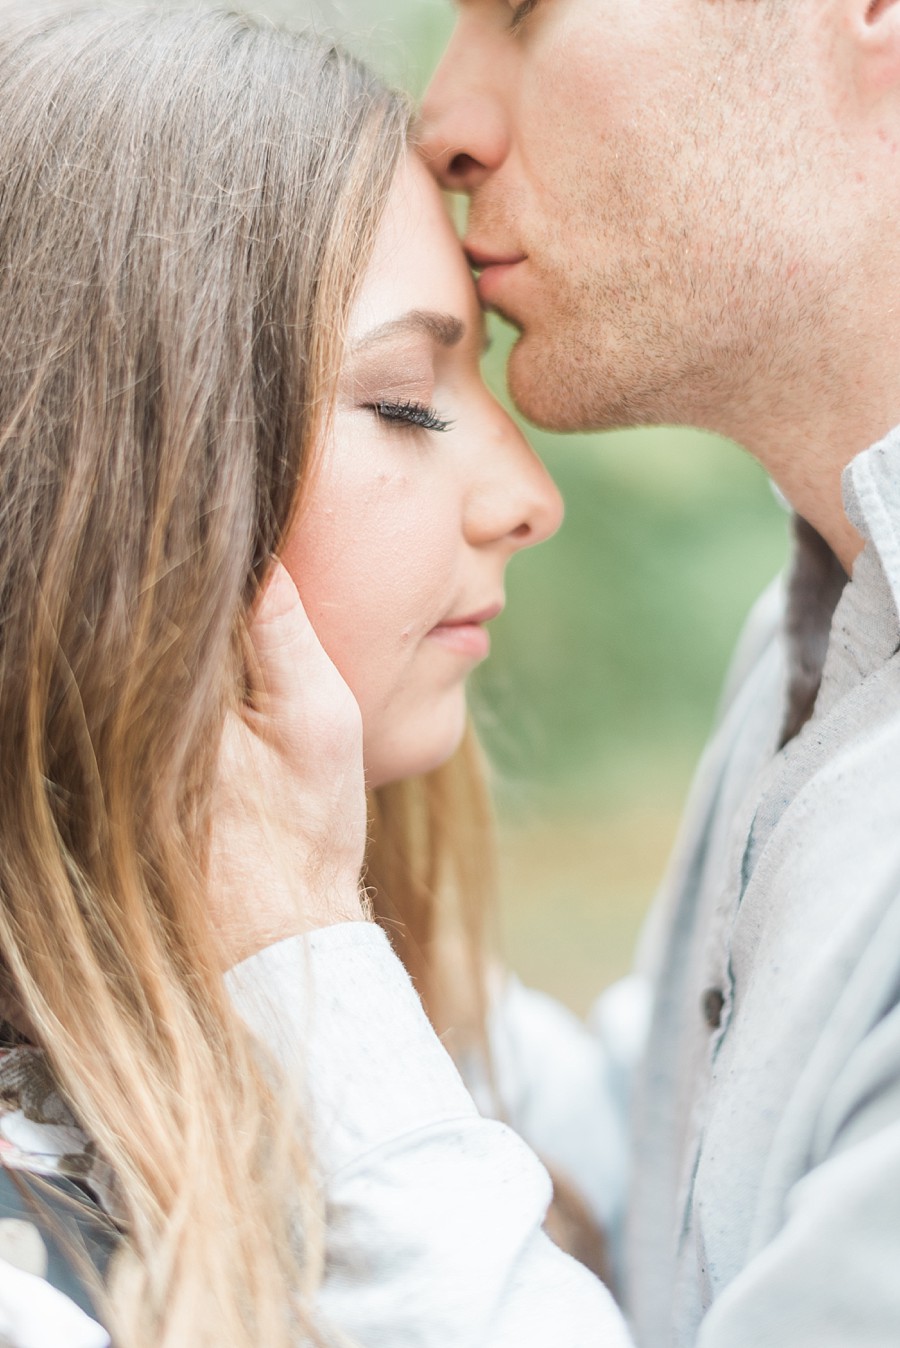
<point>434,1236</point>
<point>34,1314</point>
<point>564,1085</point>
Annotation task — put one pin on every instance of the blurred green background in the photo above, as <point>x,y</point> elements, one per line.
<point>603,686</point>
<point>609,658</point>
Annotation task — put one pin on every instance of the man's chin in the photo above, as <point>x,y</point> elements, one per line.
<point>546,387</point>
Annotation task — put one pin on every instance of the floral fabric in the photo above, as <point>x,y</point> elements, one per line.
<point>39,1136</point>
<point>38,1132</point>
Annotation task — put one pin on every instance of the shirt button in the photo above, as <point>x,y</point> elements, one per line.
<point>712,1002</point>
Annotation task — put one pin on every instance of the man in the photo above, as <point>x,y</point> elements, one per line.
<point>689,210</point>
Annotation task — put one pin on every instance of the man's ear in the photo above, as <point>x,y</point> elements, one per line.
<point>873,29</point>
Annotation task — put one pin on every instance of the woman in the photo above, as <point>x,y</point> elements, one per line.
<point>234,326</point>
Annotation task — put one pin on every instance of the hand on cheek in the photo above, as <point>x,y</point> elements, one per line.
<point>289,821</point>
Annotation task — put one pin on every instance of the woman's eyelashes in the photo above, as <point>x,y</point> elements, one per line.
<point>410,413</point>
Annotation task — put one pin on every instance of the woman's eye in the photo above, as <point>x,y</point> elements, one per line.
<point>411,414</point>
<point>520,13</point>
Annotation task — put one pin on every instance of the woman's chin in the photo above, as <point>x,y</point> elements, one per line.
<point>398,758</point>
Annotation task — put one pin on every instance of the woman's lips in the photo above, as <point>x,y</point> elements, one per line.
<point>467,640</point>
<point>467,636</point>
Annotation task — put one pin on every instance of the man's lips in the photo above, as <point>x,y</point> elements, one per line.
<point>480,257</point>
<point>493,269</point>
<point>467,635</point>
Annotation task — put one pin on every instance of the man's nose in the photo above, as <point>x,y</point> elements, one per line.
<point>463,136</point>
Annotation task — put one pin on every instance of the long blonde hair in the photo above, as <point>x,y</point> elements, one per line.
<point>432,870</point>
<point>187,203</point>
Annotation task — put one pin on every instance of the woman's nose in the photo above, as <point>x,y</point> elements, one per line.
<point>463,135</point>
<point>515,500</point>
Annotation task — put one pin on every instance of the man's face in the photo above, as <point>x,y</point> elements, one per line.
<point>650,173</point>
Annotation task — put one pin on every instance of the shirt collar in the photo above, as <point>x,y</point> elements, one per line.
<point>839,632</point>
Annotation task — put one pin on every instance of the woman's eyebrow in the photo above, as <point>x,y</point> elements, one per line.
<point>445,329</point>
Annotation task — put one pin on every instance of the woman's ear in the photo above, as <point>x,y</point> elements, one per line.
<point>873,28</point>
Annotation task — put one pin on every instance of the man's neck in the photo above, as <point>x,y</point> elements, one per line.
<point>805,445</point>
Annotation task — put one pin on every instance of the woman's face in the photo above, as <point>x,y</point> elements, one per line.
<point>424,492</point>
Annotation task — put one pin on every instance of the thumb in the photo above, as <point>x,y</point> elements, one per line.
<point>282,640</point>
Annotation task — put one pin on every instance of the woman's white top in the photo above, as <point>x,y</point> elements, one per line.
<point>436,1212</point>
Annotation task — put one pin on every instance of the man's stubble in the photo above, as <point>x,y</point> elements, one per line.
<point>681,274</point>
